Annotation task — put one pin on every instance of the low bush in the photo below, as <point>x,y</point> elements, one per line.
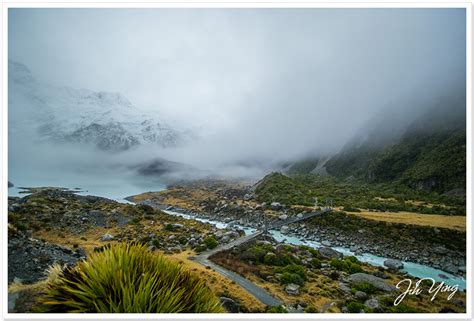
<point>126,278</point>
<point>211,242</point>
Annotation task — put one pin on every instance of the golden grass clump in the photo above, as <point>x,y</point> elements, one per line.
<point>126,278</point>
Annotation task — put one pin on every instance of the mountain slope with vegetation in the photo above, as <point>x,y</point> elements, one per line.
<point>429,155</point>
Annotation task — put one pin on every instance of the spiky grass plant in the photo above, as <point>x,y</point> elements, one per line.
<point>126,278</point>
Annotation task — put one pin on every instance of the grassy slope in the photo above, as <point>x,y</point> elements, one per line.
<point>301,190</point>
<point>430,155</point>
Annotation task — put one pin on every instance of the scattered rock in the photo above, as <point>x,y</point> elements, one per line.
<point>375,281</point>
<point>393,264</point>
<point>284,229</point>
<point>372,303</point>
<point>283,217</point>
<point>328,252</point>
<point>106,237</point>
<point>276,206</point>
<point>29,258</point>
<point>344,288</point>
<point>450,268</point>
<point>230,305</point>
<point>292,289</point>
<point>361,296</point>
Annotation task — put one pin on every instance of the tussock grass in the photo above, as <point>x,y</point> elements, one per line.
<point>126,278</point>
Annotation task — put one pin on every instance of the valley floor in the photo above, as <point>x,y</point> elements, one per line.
<point>55,226</point>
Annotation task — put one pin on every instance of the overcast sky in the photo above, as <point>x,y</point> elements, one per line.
<point>276,79</point>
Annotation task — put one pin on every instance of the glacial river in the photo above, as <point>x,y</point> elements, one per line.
<point>413,269</point>
<point>117,190</point>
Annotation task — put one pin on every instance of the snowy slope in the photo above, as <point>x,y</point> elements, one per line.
<point>62,114</point>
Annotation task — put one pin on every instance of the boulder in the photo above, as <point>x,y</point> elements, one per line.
<point>450,268</point>
<point>106,237</point>
<point>393,264</point>
<point>328,252</point>
<point>300,215</point>
<point>371,279</point>
<point>292,289</point>
<point>361,296</point>
<point>276,206</point>
<point>284,229</point>
<point>372,303</point>
<point>344,288</point>
<point>283,217</point>
<point>230,305</point>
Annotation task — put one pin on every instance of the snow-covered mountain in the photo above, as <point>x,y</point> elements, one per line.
<point>106,120</point>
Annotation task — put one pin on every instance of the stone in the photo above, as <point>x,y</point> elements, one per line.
<point>284,229</point>
<point>371,279</point>
<point>393,264</point>
<point>354,248</point>
<point>326,243</point>
<point>292,289</point>
<point>12,297</point>
<point>151,248</point>
<point>230,305</point>
<point>107,237</point>
<point>247,197</point>
<point>372,303</point>
<point>328,252</point>
<point>299,215</point>
<point>344,288</point>
<point>276,206</point>
<point>450,268</point>
<point>283,217</point>
<point>360,295</point>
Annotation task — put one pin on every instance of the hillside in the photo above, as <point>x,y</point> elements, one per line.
<point>430,154</point>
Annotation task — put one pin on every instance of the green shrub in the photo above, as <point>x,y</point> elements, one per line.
<point>169,228</point>
<point>402,308</point>
<point>315,263</point>
<point>255,253</point>
<point>350,209</point>
<point>356,307</point>
<point>347,265</point>
<point>126,278</point>
<point>211,242</point>
<point>311,309</point>
<point>277,309</point>
<point>365,287</point>
<point>287,278</point>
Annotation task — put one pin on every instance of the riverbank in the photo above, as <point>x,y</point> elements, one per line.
<point>235,204</point>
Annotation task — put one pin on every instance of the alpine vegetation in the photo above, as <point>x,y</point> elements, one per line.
<point>126,278</point>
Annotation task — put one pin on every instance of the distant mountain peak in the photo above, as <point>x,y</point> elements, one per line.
<point>106,120</point>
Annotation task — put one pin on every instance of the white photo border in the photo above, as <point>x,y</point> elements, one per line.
<point>467,5</point>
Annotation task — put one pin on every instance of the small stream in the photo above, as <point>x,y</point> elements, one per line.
<point>413,269</point>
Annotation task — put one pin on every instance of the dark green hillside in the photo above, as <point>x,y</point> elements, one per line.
<point>430,155</point>
<point>393,197</point>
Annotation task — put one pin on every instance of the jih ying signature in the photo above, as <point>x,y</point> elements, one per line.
<point>415,289</point>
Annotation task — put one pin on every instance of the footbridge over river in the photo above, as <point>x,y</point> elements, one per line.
<point>252,288</point>
<point>261,294</point>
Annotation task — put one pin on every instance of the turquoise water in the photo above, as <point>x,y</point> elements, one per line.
<point>413,269</point>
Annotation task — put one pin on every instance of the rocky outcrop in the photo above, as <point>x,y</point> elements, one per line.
<point>377,282</point>
<point>29,258</point>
